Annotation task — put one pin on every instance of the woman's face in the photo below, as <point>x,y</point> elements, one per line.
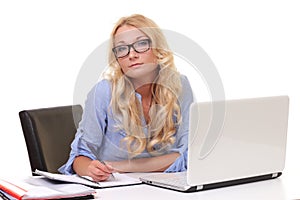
<point>140,66</point>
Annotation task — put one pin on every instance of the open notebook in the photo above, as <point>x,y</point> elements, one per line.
<point>118,180</point>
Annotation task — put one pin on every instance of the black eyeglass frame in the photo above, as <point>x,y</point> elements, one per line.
<point>129,48</point>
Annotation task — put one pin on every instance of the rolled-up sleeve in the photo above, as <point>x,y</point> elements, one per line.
<point>181,144</point>
<point>91,130</point>
<point>180,164</point>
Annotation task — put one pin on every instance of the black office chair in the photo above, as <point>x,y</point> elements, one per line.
<point>48,133</point>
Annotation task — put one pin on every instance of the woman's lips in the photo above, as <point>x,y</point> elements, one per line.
<point>135,64</point>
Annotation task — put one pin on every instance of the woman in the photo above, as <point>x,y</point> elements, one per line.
<point>136,118</point>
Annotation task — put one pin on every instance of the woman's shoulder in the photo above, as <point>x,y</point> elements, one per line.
<point>186,91</point>
<point>102,90</point>
<point>184,80</point>
<point>103,86</point>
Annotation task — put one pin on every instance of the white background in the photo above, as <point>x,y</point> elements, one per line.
<point>254,45</point>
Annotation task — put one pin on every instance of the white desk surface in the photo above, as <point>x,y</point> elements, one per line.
<point>285,187</point>
<point>276,189</point>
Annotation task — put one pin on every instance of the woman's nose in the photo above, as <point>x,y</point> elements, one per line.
<point>132,53</point>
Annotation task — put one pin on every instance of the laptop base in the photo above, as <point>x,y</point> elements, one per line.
<point>219,184</point>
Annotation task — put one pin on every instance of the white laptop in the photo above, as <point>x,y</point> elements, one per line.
<point>231,142</point>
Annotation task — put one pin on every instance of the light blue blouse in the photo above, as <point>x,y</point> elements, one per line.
<point>97,133</point>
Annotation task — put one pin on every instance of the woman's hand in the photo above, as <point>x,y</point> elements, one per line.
<point>98,171</point>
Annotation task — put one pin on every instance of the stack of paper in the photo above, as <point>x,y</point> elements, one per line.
<point>41,188</point>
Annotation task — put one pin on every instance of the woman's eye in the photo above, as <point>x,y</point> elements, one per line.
<point>142,43</point>
<point>121,49</point>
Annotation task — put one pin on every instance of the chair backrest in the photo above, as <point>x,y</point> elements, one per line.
<point>48,133</point>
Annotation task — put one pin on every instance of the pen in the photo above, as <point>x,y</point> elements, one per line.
<point>94,151</point>
<point>85,178</point>
<point>112,175</point>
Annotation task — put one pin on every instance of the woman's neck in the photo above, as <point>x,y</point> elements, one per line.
<point>145,90</point>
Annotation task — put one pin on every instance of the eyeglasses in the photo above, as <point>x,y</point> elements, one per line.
<point>139,46</point>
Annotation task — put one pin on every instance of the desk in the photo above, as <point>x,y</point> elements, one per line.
<point>271,189</point>
<point>285,187</point>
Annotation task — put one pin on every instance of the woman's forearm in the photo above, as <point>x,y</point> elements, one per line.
<point>152,164</point>
<point>81,164</point>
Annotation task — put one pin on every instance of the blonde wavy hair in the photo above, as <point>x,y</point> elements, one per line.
<point>164,114</point>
